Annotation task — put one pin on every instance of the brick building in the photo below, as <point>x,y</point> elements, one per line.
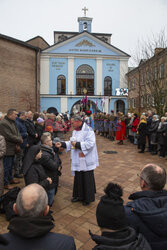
<point>147,84</point>
<point>20,73</point>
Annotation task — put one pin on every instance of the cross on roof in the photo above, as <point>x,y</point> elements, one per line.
<point>84,9</point>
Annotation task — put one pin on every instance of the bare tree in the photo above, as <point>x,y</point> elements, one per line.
<point>151,57</point>
<point>146,47</point>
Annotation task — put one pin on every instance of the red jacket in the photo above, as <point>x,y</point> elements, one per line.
<point>135,124</point>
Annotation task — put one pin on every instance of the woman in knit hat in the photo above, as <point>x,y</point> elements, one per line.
<point>112,221</point>
<point>39,126</point>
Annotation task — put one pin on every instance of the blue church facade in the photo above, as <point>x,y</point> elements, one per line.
<point>83,65</point>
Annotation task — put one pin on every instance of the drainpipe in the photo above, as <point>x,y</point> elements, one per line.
<point>37,80</point>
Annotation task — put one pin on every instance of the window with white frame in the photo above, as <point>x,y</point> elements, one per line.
<point>133,103</point>
<point>134,83</point>
<point>161,73</point>
<point>153,101</point>
<point>143,79</point>
<point>142,101</point>
<point>148,76</point>
<point>155,73</point>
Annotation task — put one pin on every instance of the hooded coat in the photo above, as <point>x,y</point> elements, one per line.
<point>147,213</point>
<point>50,163</point>
<point>33,171</point>
<point>34,233</point>
<point>125,239</point>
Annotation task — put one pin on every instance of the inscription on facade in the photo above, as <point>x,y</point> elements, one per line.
<point>85,50</point>
<point>110,67</point>
<point>58,65</point>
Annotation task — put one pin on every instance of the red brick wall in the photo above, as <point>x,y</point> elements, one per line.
<point>17,76</point>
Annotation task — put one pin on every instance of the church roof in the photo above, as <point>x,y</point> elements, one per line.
<point>39,38</point>
<point>78,35</point>
<point>14,40</point>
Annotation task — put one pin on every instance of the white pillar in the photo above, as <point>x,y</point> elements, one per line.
<point>99,75</point>
<point>63,104</point>
<point>123,71</point>
<point>70,75</point>
<point>44,76</point>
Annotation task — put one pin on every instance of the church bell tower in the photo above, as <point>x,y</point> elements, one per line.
<point>85,22</point>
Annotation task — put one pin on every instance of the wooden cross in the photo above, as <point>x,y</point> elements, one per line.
<point>85,9</point>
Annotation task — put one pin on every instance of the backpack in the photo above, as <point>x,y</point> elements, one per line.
<point>6,202</point>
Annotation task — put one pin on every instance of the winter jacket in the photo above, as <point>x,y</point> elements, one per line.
<point>34,233</point>
<point>135,124</point>
<point>33,171</point>
<point>161,133</point>
<point>149,121</point>
<point>31,132</point>
<point>50,162</point>
<point>2,153</point>
<point>147,213</point>
<point>153,131</point>
<point>125,239</point>
<point>142,132</point>
<point>11,134</point>
<point>39,129</point>
<point>23,131</point>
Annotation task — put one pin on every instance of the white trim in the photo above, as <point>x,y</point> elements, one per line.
<point>123,72</point>
<point>85,56</point>
<point>44,76</point>
<point>70,75</point>
<point>99,76</point>
<point>63,104</point>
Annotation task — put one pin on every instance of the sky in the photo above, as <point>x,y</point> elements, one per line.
<point>127,20</point>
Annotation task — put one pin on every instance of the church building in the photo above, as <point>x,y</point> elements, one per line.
<point>83,67</point>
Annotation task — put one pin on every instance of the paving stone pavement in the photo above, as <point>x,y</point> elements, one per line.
<point>122,168</point>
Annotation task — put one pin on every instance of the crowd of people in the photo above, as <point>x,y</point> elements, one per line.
<point>30,147</point>
<point>148,131</point>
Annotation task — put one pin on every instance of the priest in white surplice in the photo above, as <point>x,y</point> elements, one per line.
<point>84,160</point>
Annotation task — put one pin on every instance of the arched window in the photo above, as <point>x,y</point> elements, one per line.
<point>61,85</point>
<point>85,80</point>
<point>108,86</point>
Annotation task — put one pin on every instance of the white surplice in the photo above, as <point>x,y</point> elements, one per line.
<point>87,139</point>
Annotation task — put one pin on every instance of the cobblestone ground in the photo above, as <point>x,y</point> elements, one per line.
<point>122,167</point>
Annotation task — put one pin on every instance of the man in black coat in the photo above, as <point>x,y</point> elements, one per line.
<point>50,162</point>
<point>147,212</point>
<point>149,121</point>
<point>20,123</point>
<point>31,228</point>
<point>32,134</point>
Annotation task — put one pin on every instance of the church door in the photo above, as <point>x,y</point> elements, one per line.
<point>120,106</point>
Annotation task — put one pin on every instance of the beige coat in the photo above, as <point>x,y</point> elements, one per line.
<point>2,153</point>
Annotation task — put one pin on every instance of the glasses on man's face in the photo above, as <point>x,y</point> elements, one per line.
<point>138,175</point>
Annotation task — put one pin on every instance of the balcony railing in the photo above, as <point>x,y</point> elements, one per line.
<point>90,91</point>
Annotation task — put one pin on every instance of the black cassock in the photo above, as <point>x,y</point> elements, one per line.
<point>84,186</point>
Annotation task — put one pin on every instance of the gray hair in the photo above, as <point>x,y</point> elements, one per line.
<point>36,202</point>
<point>44,137</point>
<point>154,176</point>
